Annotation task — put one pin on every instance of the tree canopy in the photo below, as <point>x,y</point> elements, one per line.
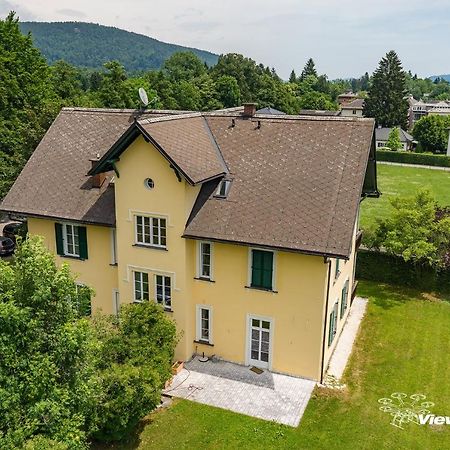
<point>386,99</point>
<point>66,379</point>
<point>418,230</point>
<point>432,133</point>
<point>394,143</point>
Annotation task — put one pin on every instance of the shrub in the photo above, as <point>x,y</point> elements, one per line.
<point>134,358</point>
<point>384,268</point>
<point>417,230</point>
<point>424,159</point>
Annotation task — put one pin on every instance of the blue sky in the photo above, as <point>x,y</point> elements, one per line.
<point>345,37</point>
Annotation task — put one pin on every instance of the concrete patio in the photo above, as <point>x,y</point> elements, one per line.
<point>268,396</point>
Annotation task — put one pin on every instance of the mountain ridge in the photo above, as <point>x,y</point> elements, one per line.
<point>90,45</point>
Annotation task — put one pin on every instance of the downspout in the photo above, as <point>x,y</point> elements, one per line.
<point>325,320</point>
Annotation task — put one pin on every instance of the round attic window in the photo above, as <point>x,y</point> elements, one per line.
<point>149,183</point>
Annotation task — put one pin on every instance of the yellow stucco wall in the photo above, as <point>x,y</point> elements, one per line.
<point>96,271</point>
<point>346,269</point>
<point>297,309</point>
<point>170,199</point>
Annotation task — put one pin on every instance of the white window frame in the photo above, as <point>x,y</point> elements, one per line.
<point>271,320</point>
<point>226,184</point>
<point>274,267</point>
<point>163,285</point>
<point>200,260</point>
<point>198,316</point>
<point>113,238</point>
<point>337,268</point>
<point>65,226</point>
<point>155,241</point>
<point>141,282</point>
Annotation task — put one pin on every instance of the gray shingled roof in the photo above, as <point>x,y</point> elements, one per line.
<point>296,184</point>
<point>270,110</point>
<point>53,183</point>
<point>382,134</point>
<point>296,181</point>
<point>355,104</point>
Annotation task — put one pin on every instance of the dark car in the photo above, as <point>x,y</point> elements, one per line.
<point>7,246</point>
<point>14,229</point>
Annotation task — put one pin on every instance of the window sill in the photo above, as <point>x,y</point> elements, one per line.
<point>168,310</point>
<point>153,247</point>
<point>203,343</point>
<point>204,279</point>
<point>78,258</point>
<point>261,289</point>
<point>114,265</point>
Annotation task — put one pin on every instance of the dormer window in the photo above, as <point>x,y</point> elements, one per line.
<point>223,189</point>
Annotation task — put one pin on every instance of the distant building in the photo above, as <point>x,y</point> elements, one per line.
<point>353,109</point>
<point>382,136</point>
<point>270,111</point>
<point>344,99</point>
<point>419,109</point>
<point>318,112</point>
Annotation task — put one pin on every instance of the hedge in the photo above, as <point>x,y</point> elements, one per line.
<point>385,268</point>
<point>422,159</point>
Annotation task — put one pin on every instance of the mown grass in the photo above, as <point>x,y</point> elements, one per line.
<point>399,180</point>
<point>403,346</point>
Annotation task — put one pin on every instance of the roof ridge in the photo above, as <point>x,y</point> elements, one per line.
<point>123,110</point>
<point>149,120</point>
<point>216,145</point>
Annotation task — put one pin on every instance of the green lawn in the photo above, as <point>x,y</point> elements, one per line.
<point>398,180</point>
<point>404,346</point>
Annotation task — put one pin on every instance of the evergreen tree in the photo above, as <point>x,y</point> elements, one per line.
<point>386,101</point>
<point>292,77</point>
<point>394,143</point>
<point>309,69</point>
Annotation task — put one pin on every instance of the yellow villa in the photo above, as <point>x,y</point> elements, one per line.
<point>242,226</point>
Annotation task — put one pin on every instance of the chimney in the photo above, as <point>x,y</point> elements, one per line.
<point>249,109</point>
<point>448,145</point>
<point>99,178</point>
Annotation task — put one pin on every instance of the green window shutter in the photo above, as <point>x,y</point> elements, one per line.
<point>267,270</point>
<point>330,329</point>
<point>262,269</point>
<point>82,236</point>
<point>257,268</point>
<point>59,239</point>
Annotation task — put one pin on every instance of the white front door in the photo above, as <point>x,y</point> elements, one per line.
<point>259,345</point>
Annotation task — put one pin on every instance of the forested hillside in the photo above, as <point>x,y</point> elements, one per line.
<point>90,45</point>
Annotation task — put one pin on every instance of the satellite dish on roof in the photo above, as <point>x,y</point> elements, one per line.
<point>143,96</point>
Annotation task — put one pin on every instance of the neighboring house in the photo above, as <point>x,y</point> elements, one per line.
<point>382,136</point>
<point>318,112</point>
<point>270,111</point>
<point>353,109</point>
<point>419,109</point>
<point>244,228</point>
<point>346,98</point>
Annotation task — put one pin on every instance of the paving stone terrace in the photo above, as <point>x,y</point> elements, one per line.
<point>268,395</point>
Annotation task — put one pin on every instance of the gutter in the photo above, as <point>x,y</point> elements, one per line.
<point>325,322</point>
